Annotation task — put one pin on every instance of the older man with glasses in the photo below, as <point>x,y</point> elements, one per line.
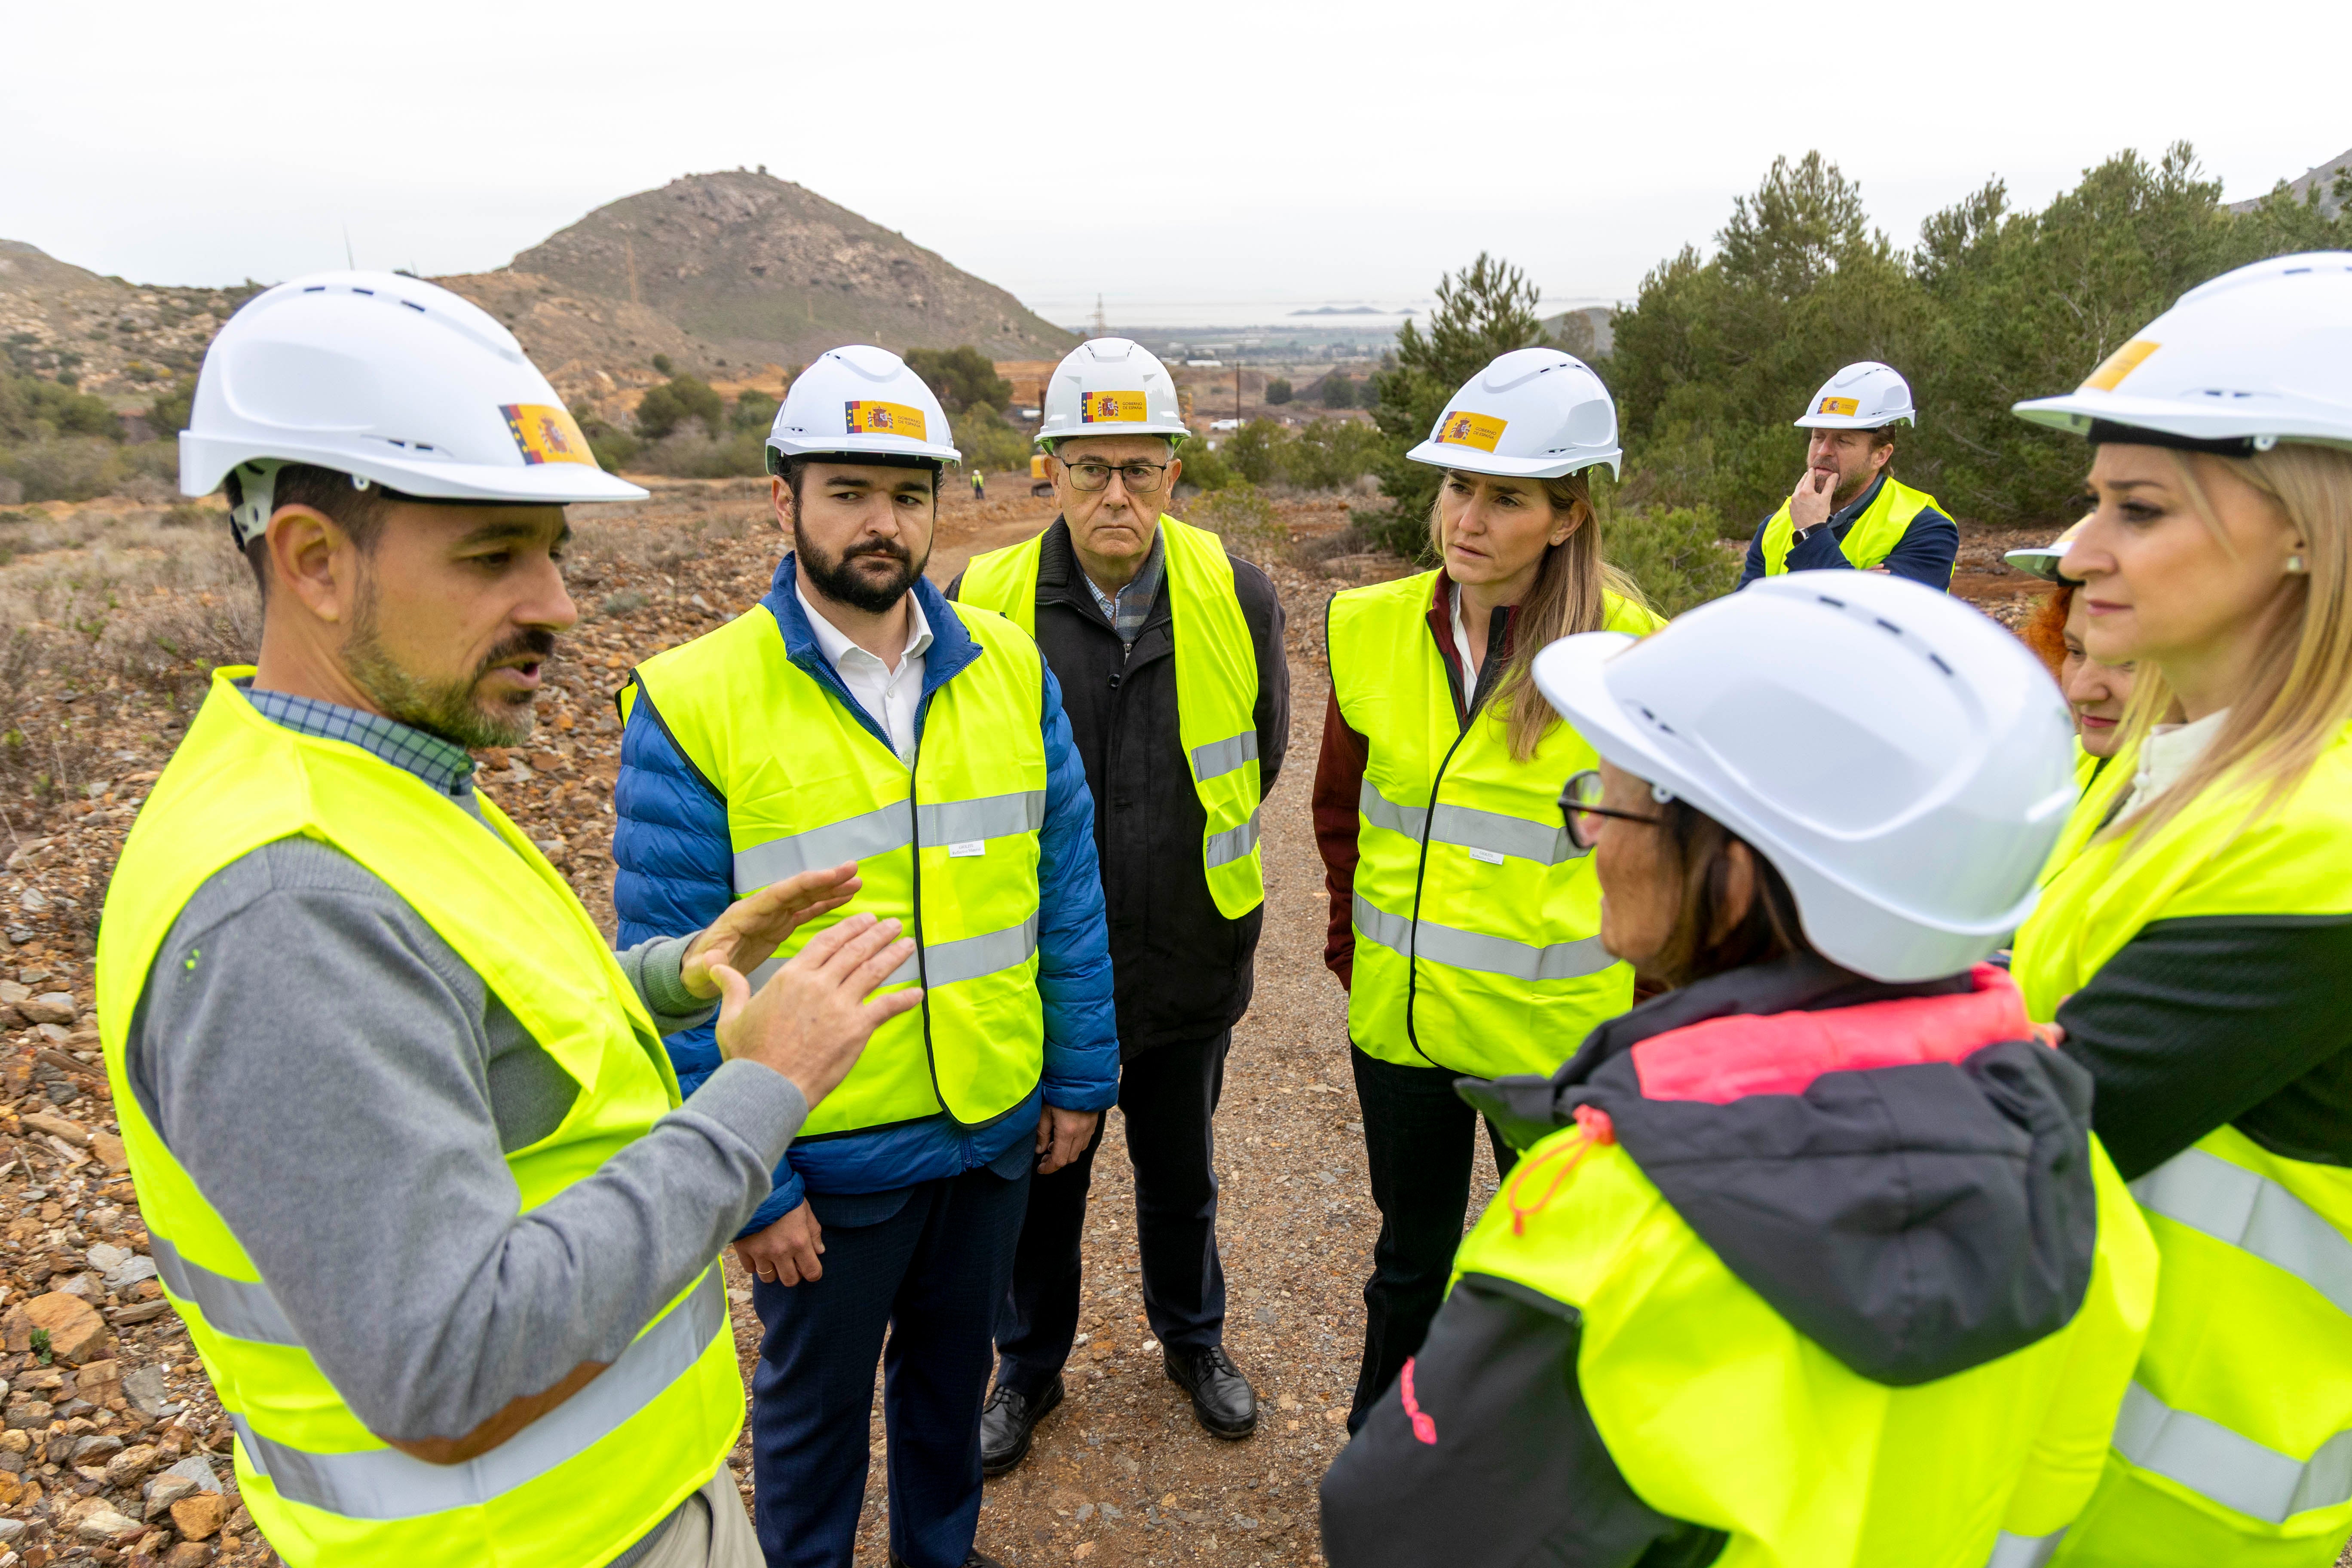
<point>1171,658</point>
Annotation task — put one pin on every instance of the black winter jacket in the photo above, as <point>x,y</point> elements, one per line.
<point>1180,969</point>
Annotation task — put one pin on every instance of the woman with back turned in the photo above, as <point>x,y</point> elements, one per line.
<point>1812,1261</point>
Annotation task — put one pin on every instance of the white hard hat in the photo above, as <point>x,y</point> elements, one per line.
<point>1865,396</point>
<point>1534,414</point>
<point>2045,561</point>
<point>390,380</point>
<point>1110,386</point>
<point>2256,356</point>
<point>860,400</point>
<point>1904,762</point>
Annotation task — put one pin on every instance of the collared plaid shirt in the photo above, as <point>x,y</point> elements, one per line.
<point>444,766</point>
<point>1127,609</point>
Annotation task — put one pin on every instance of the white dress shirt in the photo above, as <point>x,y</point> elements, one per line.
<point>888,696</point>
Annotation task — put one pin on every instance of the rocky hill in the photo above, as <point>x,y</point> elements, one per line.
<point>119,340</point>
<point>768,270</point>
<point>2322,178</point>
<point>590,347</point>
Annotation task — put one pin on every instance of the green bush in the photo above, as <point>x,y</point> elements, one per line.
<point>682,397</point>
<point>662,365</point>
<point>169,414</point>
<point>988,443</point>
<point>1277,392</point>
<point>961,378</point>
<point>1336,391</point>
<point>1331,453</point>
<point>32,408</point>
<point>65,468</point>
<point>1205,469</point>
<point>689,454</point>
<point>754,411</point>
<point>1674,552</point>
<point>1245,520</point>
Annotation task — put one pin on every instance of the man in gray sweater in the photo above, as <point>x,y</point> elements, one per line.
<point>409,1150</point>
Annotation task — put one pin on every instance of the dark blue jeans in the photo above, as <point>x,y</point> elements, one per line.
<point>1167,1096</point>
<point>1420,1141</point>
<point>929,1271</point>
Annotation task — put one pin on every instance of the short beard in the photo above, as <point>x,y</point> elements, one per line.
<point>837,581</point>
<point>454,711</point>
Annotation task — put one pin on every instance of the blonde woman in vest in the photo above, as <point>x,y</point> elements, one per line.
<point>2194,936</point>
<point>1812,1261</point>
<point>1849,512</point>
<point>1463,923</point>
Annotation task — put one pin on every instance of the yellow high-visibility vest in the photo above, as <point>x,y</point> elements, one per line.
<point>1217,690</point>
<point>949,847</point>
<point>2234,1442</point>
<point>590,1476</point>
<point>1719,1411</point>
<point>1477,923</point>
<point>1871,539</point>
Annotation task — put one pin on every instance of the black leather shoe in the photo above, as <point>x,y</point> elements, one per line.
<point>977,1559</point>
<point>1008,1422</point>
<point>1223,1400</point>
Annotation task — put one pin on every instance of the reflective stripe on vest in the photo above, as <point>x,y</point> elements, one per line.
<point>2024,1551</point>
<point>1871,539</point>
<point>386,1484</point>
<point>1477,921</point>
<point>1485,954</point>
<point>2248,1210</point>
<point>572,1487</point>
<point>2244,1394</point>
<point>2236,1472</point>
<point>950,846</point>
<point>1216,690</point>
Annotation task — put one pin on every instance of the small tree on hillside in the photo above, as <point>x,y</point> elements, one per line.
<point>754,411</point>
<point>1336,391</point>
<point>682,397</point>
<point>1487,309</point>
<point>1277,391</point>
<point>961,378</point>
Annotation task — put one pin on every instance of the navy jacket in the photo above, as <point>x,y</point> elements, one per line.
<point>676,875</point>
<point>1925,554</point>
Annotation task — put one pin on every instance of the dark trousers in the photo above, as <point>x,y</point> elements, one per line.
<point>1419,1139</point>
<point>1167,1096</point>
<point>931,1273</point>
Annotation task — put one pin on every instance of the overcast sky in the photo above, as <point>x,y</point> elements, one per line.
<point>1152,153</point>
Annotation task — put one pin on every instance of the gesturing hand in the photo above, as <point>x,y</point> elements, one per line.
<point>754,926</point>
<point>1815,496</point>
<point>812,1020</point>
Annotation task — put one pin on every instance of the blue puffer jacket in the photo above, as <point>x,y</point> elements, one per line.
<point>675,858</point>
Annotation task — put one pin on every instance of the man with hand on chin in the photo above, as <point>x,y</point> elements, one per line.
<point>415,1165</point>
<point>1848,512</point>
<point>1170,652</point>
<point>854,714</point>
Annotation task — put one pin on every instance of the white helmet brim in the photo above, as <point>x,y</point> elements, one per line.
<point>1470,460</point>
<point>1849,422</point>
<point>2189,420</point>
<point>205,463</point>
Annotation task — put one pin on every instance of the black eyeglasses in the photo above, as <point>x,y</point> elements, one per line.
<point>1579,805</point>
<point>1143,479</point>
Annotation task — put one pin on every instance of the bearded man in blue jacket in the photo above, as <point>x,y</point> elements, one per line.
<point>855,714</point>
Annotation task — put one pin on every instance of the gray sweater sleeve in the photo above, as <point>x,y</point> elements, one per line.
<point>342,1086</point>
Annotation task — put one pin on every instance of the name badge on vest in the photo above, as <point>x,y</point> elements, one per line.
<point>1491,857</point>
<point>970,846</point>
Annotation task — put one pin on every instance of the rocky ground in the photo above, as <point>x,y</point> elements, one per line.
<point>114,1450</point>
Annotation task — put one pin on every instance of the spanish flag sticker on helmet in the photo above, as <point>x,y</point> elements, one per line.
<point>1844,405</point>
<point>1112,409</point>
<point>861,418</point>
<point>1463,429</point>
<point>546,435</point>
<point>2119,364</point>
